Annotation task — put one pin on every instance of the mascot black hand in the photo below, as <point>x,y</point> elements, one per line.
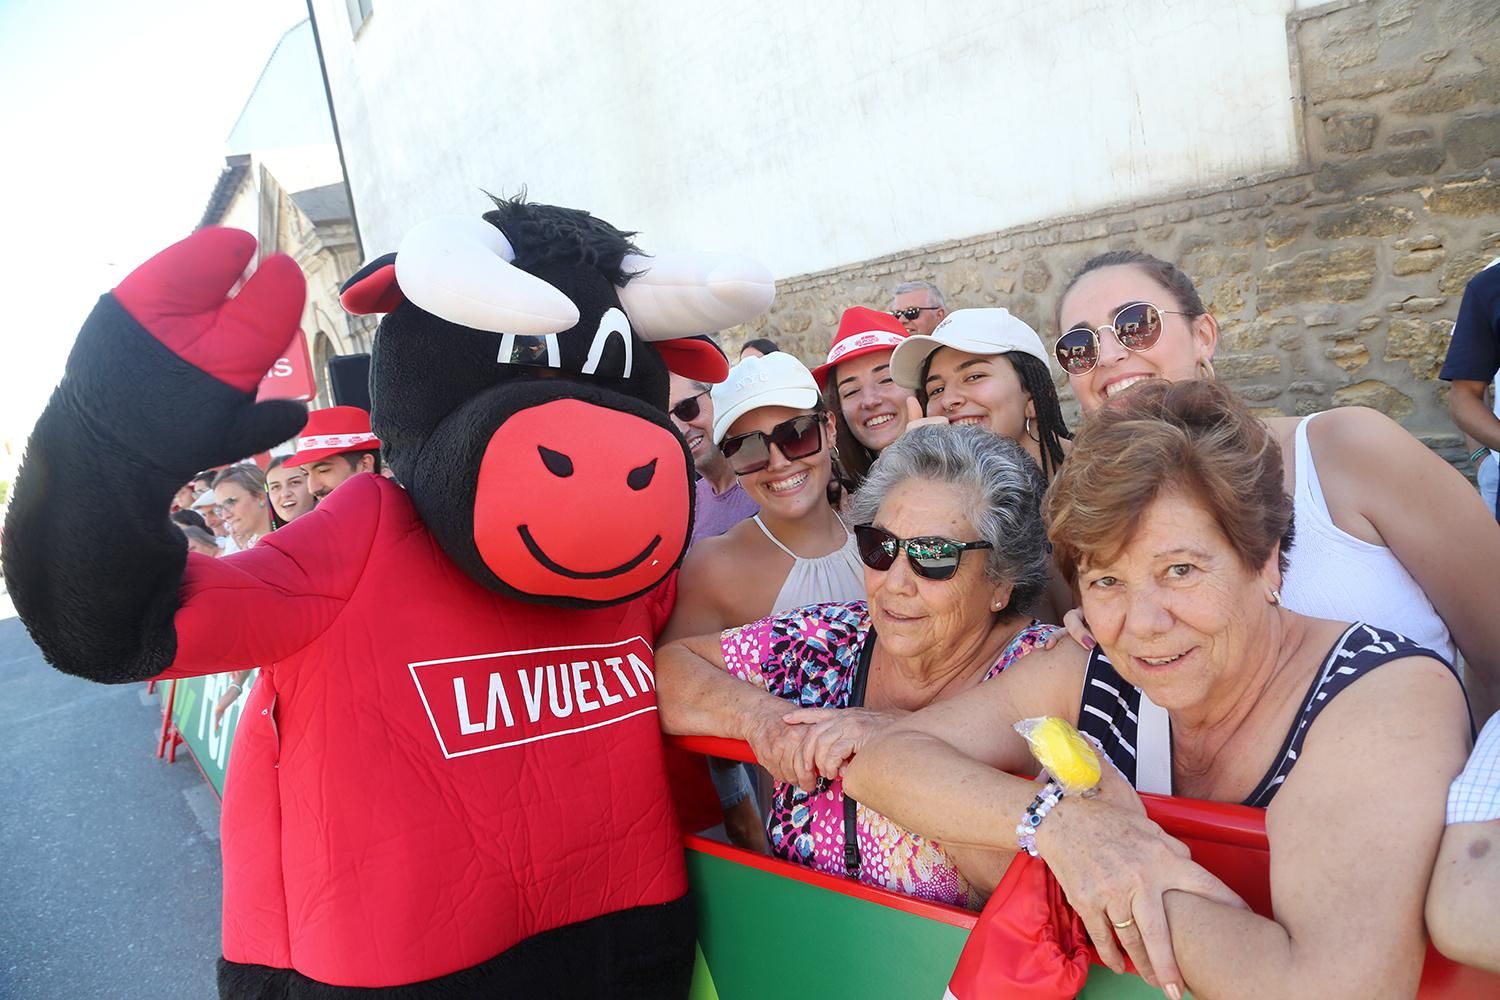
<point>160,385</point>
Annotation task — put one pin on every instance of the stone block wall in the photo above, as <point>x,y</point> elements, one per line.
<point>1335,282</point>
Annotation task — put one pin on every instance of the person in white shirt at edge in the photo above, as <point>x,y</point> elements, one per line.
<point>1463,901</point>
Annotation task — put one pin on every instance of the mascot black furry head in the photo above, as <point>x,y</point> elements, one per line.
<point>519,382</point>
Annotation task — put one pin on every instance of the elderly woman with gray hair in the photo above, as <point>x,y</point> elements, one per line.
<point>950,531</point>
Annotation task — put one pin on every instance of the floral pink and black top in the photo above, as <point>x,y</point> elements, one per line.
<point>808,656</point>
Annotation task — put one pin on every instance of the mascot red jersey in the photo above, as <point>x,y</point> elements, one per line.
<point>449,780</point>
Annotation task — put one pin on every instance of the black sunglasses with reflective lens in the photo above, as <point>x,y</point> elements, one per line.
<point>910,313</point>
<point>1137,327</point>
<point>931,557</point>
<point>799,437</point>
<point>688,409</point>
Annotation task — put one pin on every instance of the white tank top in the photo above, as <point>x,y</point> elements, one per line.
<point>838,576</point>
<point>1335,575</point>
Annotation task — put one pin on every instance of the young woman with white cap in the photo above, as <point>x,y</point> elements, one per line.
<point>772,426</point>
<point>987,367</point>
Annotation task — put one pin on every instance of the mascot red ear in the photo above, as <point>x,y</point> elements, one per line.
<point>695,359</point>
<point>373,289</point>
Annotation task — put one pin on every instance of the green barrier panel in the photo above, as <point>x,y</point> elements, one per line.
<point>193,713</point>
<point>764,935</point>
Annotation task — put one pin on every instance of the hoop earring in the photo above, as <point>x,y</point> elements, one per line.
<point>1029,426</point>
<point>1206,369</point>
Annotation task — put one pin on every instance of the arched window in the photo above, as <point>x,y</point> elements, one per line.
<point>322,350</point>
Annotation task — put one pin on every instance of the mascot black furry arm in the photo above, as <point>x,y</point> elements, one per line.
<point>449,781</point>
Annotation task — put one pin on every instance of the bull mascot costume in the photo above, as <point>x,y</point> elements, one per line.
<point>449,780</point>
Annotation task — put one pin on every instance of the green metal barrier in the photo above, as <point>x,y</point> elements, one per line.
<point>192,714</point>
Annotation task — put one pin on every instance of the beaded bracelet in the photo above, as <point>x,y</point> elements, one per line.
<point>1050,795</point>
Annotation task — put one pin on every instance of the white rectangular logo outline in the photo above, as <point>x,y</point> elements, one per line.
<point>436,731</point>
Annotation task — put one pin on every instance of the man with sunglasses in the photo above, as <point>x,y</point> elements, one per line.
<point>919,306</point>
<point>721,501</point>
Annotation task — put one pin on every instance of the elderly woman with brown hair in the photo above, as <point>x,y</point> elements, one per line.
<point>1171,516</point>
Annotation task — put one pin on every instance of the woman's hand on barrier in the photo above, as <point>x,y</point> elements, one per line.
<point>835,735</point>
<point>230,695</point>
<point>1115,865</point>
<point>779,749</point>
<point>914,417</point>
<point>1077,628</point>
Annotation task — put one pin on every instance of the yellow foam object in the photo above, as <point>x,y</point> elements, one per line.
<point>1065,754</point>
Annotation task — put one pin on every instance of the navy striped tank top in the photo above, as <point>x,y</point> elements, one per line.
<point>1109,706</point>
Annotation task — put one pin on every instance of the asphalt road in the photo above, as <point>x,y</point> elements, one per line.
<point>109,858</point>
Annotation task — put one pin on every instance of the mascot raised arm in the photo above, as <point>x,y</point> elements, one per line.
<point>449,780</point>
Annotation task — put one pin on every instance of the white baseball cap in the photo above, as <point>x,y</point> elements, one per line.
<point>777,379</point>
<point>206,500</point>
<point>973,331</point>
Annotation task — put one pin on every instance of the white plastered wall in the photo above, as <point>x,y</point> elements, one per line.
<point>810,135</point>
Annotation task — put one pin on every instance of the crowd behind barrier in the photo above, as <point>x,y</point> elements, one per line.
<point>868,615</point>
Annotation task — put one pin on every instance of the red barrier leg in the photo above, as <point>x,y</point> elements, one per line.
<point>168,734</point>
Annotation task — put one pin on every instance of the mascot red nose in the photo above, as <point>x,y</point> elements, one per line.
<point>449,779</point>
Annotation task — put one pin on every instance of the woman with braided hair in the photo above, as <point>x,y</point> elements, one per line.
<point>958,376</point>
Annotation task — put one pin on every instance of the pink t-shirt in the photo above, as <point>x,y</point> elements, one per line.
<point>808,657</point>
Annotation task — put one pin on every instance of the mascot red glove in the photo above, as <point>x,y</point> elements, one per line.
<point>449,780</point>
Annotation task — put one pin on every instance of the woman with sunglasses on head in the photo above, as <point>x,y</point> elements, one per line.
<point>868,407</point>
<point>770,425</point>
<point>950,533</point>
<point>1386,530</point>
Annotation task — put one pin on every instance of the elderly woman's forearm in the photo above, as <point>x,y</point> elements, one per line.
<point>1226,953</point>
<point>695,697</point>
<point>932,789</point>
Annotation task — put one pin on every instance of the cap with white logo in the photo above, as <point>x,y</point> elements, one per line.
<point>973,331</point>
<point>777,379</point>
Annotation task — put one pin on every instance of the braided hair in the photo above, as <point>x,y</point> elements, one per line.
<point>1048,426</point>
<point>1049,429</point>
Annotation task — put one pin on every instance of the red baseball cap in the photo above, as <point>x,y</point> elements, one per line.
<point>861,331</point>
<point>332,431</point>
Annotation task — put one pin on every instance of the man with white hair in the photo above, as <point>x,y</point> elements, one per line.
<point>919,306</point>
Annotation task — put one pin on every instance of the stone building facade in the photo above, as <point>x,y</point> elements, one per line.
<point>313,226</point>
<point>1335,282</point>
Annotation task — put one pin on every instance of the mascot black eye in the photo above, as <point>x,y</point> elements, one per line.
<point>561,465</point>
<point>640,478</point>
<point>536,351</point>
<point>613,327</point>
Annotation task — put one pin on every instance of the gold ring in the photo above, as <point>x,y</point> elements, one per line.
<point>1120,925</point>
